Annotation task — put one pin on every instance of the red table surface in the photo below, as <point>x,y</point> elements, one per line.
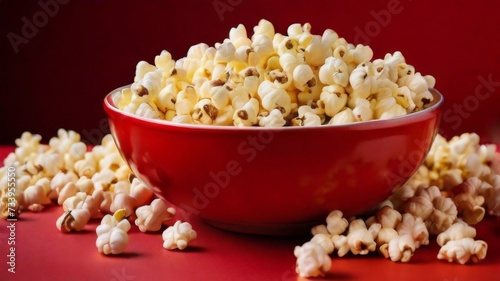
<point>42,252</point>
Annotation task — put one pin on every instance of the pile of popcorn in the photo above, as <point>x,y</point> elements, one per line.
<point>274,80</point>
<point>455,188</point>
<point>88,184</point>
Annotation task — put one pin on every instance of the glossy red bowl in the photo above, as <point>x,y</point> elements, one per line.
<point>274,181</point>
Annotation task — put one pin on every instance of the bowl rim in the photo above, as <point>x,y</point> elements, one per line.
<point>436,104</point>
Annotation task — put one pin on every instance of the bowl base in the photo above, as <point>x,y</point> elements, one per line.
<point>265,229</point>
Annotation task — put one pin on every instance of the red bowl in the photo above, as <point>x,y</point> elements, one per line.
<point>274,180</point>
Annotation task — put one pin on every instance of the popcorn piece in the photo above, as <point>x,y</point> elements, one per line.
<point>343,117</point>
<point>336,223</point>
<point>388,217</point>
<point>67,191</point>
<point>274,98</point>
<point>384,236</point>
<point>225,53</point>
<point>419,88</point>
<point>334,72</point>
<point>167,98</point>
<point>312,260</point>
<point>468,200</point>
<point>49,163</point>
<point>76,152</point>
<point>359,238</point>
<point>341,244</point>
<point>33,198</point>
<point>123,201</point>
<point>265,28</point>
<point>112,237</point>
<point>288,62</point>
<point>334,99</point>
<point>399,235</point>
<point>401,248</point>
<point>307,117</point>
<point>27,144</point>
<point>78,210</point>
<point>493,195</point>
<point>73,220</point>
<point>163,61</point>
<point>273,119</point>
<point>247,115</point>
<point>87,166</point>
<point>104,179</point>
<point>178,236</point>
<point>59,181</point>
<point>205,112</point>
<point>151,217</point>
<point>415,228</point>
<point>437,211</point>
<point>393,61</point>
<point>362,111</point>
<point>443,215</point>
<point>141,69</point>
<point>84,184</point>
<point>394,111</point>
<point>64,140</point>
<point>324,241</point>
<point>463,251</point>
<point>361,80</point>
<point>456,231</point>
<point>141,192</point>
<point>303,77</point>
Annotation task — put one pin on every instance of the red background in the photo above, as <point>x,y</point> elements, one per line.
<point>81,50</point>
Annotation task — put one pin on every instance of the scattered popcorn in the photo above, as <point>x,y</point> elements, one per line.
<point>34,197</point>
<point>437,211</point>
<point>336,223</point>
<point>401,248</point>
<point>415,228</point>
<point>469,201</point>
<point>78,210</point>
<point>252,76</point>
<point>178,236</point>
<point>325,241</point>
<point>312,260</point>
<point>67,191</point>
<point>463,251</point>
<point>340,244</point>
<point>493,195</point>
<point>73,220</point>
<point>87,184</point>
<point>457,231</point>
<point>457,186</point>
<point>112,237</point>
<point>359,238</point>
<point>151,217</point>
